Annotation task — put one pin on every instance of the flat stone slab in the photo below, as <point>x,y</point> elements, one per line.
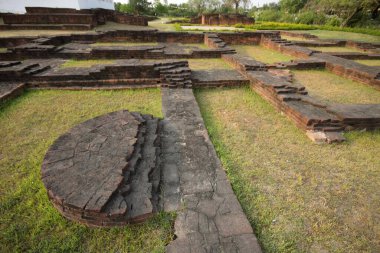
<point>210,218</point>
<point>10,90</point>
<point>217,78</point>
<point>97,173</point>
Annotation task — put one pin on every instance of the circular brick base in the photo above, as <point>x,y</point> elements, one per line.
<point>103,172</point>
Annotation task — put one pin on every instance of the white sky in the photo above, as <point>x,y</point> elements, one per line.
<point>254,2</point>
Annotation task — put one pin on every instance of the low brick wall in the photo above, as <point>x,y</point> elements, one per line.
<point>130,19</point>
<point>50,19</point>
<point>223,19</point>
<point>241,38</point>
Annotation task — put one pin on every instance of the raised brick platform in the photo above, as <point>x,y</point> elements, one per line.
<point>39,18</point>
<point>104,171</point>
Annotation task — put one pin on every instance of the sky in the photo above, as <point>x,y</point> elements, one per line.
<point>255,2</point>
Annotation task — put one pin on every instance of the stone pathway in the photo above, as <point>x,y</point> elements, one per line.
<point>210,218</point>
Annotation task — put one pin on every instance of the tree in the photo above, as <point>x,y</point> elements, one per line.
<point>139,6</point>
<point>292,6</point>
<point>160,9</point>
<point>198,5</point>
<point>349,10</point>
<point>235,4</point>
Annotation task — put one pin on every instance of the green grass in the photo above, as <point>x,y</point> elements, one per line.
<point>274,26</point>
<point>299,196</point>
<point>262,54</point>
<point>28,221</point>
<point>369,62</point>
<point>337,49</point>
<point>332,88</point>
<point>85,63</point>
<point>198,45</point>
<point>338,35</point>
<point>295,38</point>
<point>208,64</point>
<point>291,26</point>
<point>160,25</point>
<point>124,44</point>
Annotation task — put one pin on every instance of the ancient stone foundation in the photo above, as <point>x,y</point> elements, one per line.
<point>67,19</point>
<point>222,19</point>
<point>105,171</point>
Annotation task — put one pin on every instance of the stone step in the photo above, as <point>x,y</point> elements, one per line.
<point>37,70</point>
<point>9,64</point>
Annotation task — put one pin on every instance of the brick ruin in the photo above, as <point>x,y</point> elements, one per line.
<point>222,19</point>
<point>67,19</point>
<point>36,62</point>
<point>168,161</point>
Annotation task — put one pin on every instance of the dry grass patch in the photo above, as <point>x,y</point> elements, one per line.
<point>262,54</point>
<point>28,221</point>
<point>208,64</point>
<point>332,88</point>
<point>85,63</point>
<point>369,62</point>
<point>337,49</point>
<point>299,196</point>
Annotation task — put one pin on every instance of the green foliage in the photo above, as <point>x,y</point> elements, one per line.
<point>334,21</point>
<point>278,26</point>
<point>269,15</point>
<point>310,18</point>
<point>291,26</point>
<point>292,6</point>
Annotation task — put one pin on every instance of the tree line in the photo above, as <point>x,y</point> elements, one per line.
<point>344,13</point>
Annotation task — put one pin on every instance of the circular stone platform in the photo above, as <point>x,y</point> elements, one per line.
<point>104,172</point>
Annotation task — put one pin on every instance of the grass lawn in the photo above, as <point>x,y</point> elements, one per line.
<point>160,25</point>
<point>369,62</point>
<point>84,63</point>
<point>332,88</point>
<point>294,38</point>
<point>198,45</point>
<point>299,196</point>
<point>323,34</point>
<point>207,64</point>
<point>337,49</point>
<point>262,54</point>
<point>28,221</point>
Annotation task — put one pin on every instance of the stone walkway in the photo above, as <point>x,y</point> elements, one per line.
<point>210,218</point>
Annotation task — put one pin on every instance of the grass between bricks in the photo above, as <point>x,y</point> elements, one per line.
<point>208,64</point>
<point>324,34</point>
<point>299,196</point>
<point>261,25</point>
<point>85,63</point>
<point>262,54</point>
<point>337,49</point>
<point>332,88</point>
<point>28,221</point>
<point>369,62</point>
